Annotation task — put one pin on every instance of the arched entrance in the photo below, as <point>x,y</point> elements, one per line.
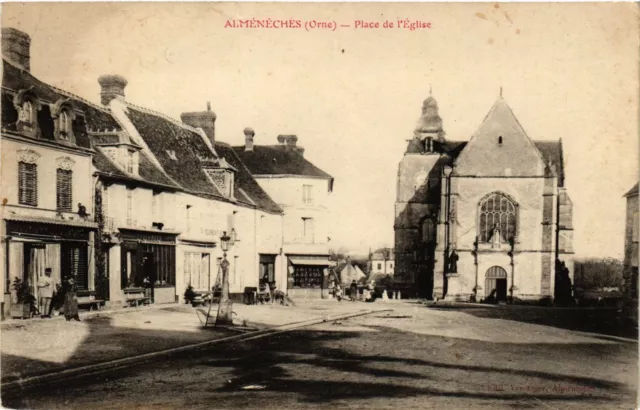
<point>496,284</point>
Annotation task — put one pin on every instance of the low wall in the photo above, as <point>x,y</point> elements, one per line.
<point>164,295</point>
<point>301,293</point>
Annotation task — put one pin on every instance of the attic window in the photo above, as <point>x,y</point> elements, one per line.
<point>222,179</point>
<point>172,154</point>
<point>500,140</point>
<point>63,115</point>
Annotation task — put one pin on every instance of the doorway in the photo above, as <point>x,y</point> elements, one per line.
<point>496,284</point>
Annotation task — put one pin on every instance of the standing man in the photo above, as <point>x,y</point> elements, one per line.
<point>353,291</point>
<point>45,289</point>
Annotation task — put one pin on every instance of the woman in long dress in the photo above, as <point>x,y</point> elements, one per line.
<point>71,300</point>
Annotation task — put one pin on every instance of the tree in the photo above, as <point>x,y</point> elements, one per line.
<point>597,273</point>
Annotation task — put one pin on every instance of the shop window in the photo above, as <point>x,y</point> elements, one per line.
<point>28,183</point>
<point>307,276</point>
<point>64,198</point>
<point>197,270</point>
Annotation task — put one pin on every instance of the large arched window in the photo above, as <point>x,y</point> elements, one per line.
<point>498,215</point>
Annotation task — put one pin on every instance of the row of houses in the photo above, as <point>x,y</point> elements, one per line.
<point>117,195</point>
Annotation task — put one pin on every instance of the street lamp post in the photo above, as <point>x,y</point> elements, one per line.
<point>225,308</point>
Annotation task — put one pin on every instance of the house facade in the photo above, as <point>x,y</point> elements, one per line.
<point>487,218</point>
<point>302,190</point>
<point>120,196</point>
<point>195,189</point>
<point>630,269</point>
<point>48,218</point>
<point>382,261</point>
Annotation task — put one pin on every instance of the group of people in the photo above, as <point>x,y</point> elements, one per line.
<point>367,292</point>
<point>47,288</point>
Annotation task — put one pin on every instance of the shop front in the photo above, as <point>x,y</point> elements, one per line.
<point>35,244</point>
<point>307,276</point>
<point>148,261</point>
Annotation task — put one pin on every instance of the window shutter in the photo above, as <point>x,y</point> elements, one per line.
<point>64,198</point>
<point>27,184</point>
<point>74,264</point>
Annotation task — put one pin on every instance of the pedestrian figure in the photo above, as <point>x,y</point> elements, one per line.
<point>46,287</point>
<point>353,291</point>
<point>337,292</point>
<point>70,300</point>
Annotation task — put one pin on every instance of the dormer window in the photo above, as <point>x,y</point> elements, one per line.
<point>63,116</point>
<point>131,161</point>
<point>222,179</point>
<point>221,174</point>
<point>26,102</point>
<point>64,125</point>
<point>27,117</point>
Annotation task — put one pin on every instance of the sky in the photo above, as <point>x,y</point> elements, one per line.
<point>353,95</point>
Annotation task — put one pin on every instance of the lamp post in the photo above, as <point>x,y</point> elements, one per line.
<point>225,308</point>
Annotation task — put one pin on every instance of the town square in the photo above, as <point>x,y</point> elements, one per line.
<point>237,205</point>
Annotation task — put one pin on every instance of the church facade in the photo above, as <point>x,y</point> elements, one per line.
<point>484,219</point>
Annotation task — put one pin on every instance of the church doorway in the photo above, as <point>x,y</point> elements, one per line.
<point>496,284</point>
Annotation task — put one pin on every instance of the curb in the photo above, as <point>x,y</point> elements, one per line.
<point>13,323</point>
<point>91,369</point>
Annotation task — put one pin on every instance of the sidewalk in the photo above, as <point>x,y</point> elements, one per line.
<point>40,346</point>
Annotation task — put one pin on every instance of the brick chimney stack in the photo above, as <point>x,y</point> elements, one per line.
<point>290,142</point>
<point>249,133</point>
<point>202,119</point>
<point>16,47</point>
<point>111,86</point>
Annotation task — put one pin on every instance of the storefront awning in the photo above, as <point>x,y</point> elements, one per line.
<point>38,219</point>
<point>312,262</point>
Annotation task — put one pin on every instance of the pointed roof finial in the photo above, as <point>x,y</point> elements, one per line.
<point>500,91</point>
<point>208,105</point>
<point>430,91</point>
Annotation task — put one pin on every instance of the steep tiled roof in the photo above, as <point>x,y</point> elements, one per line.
<point>147,170</point>
<point>244,180</point>
<point>633,191</point>
<point>163,137</point>
<point>552,153</point>
<point>278,160</point>
<point>169,139</point>
<point>15,79</point>
<point>105,166</point>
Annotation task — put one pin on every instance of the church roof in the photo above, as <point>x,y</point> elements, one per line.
<point>500,119</point>
<point>633,191</point>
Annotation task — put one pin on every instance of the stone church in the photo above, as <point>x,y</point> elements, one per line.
<point>488,218</point>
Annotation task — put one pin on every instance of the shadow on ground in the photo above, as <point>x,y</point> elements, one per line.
<point>327,365</point>
<point>596,320</point>
<point>103,342</point>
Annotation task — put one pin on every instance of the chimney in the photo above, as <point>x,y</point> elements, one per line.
<point>288,140</point>
<point>202,119</point>
<point>249,133</point>
<point>111,86</point>
<point>15,47</point>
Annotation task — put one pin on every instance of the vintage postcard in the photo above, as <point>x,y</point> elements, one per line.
<point>319,205</point>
